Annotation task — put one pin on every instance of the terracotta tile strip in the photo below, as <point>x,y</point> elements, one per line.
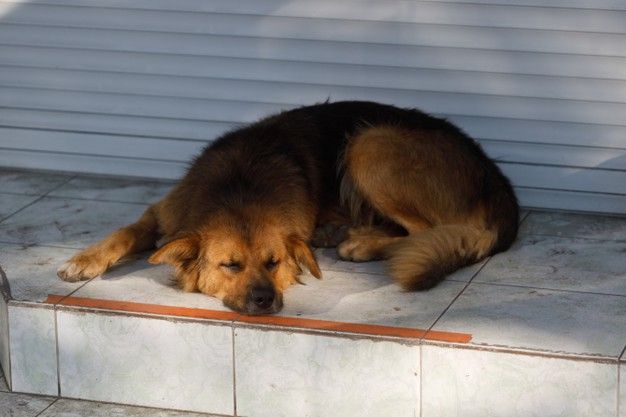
<point>451,337</point>
<point>297,322</point>
<point>53,299</point>
<point>134,307</point>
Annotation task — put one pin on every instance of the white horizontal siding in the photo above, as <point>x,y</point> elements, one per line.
<point>385,32</point>
<point>224,70</point>
<point>150,127</point>
<point>182,150</point>
<point>138,87</point>
<point>269,5</point>
<point>190,48</point>
<point>407,11</point>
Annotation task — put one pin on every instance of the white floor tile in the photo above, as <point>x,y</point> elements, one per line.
<point>10,203</point>
<point>29,182</point>
<point>473,383</point>
<point>575,225</point>
<point>560,263</point>
<point>146,361</point>
<point>31,271</point>
<point>289,374</point>
<point>113,189</point>
<point>33,349</point>
<point>68,223</point>
<point>372,299</point>
<point>539,319</point>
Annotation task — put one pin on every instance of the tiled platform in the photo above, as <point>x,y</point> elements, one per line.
<point>537,331</point>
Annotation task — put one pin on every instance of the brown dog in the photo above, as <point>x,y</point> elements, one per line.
<point>403,185</point>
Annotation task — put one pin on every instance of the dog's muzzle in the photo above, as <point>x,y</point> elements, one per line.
<point>263,299</point>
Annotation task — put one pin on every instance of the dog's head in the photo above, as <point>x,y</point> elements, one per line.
<point>247,267</point>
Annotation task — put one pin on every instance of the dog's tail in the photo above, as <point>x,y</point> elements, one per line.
<point>420,261</point>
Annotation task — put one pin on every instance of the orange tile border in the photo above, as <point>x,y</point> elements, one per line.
<point>296,322</point>
<point>131,306</point>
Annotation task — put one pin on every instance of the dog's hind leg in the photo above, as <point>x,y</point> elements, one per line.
<point>427,182</point>
<point>96,259</point>
<point>367,243</point>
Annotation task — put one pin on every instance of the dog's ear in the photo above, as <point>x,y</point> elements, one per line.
<point>301,252</point>
<point>178,252</point>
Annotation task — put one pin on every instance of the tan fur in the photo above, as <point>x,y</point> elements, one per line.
<point>420,261</point>
<point>378,181</point>
<point>445,231</point>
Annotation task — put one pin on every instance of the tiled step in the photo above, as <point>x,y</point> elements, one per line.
<point>537,331</point>
<point>215,362</point>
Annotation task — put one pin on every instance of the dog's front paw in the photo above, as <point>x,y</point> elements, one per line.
<point>81,267</point>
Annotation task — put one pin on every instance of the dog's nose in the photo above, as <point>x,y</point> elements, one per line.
<point>262,297</point>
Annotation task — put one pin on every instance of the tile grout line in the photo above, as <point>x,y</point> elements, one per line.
<point>457,296</point>
<point>529,212</point>
<point>56,336</point>
<point>100,200</point>
<point>16,194</point>
<point>45,245</point>
<point>505,284</point>
<point>595,239</point>
<point>57,303</point>
<point>41,197</point>
<point>49,405</point>
<point>523,219</point>
<point>617,390</point>
<point>74,291</point>
<point>619,380</point>
<point>9,381</point>
<point>22,208</point>
<point>421,381</point>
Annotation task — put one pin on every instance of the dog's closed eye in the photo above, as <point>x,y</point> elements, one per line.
<point>232,266</point>
<point>271,264</point>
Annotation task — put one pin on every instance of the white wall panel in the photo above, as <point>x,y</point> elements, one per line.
<point>136,87</point>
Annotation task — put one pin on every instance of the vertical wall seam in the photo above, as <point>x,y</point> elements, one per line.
<point>56,339</point>
<point>234,371</point>
<point>421,378</point>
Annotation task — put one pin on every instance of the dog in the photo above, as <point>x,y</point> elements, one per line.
<point>377,181</point>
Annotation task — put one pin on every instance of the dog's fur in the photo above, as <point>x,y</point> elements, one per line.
<point>379,181</point>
